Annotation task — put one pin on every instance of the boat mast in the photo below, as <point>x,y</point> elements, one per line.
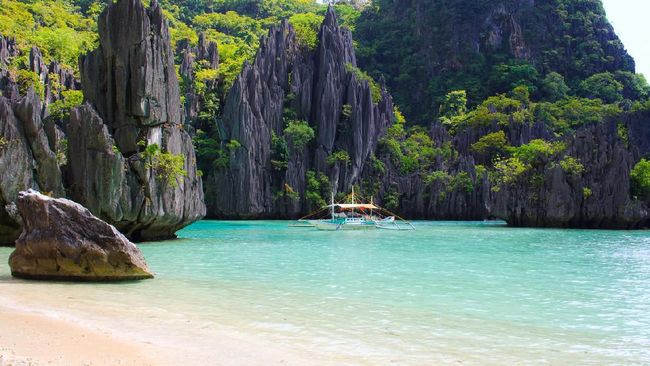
<point>332,205</point>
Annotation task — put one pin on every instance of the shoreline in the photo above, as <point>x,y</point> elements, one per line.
<point>49,337</point>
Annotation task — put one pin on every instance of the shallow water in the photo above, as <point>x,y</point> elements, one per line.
<point>480,293</point>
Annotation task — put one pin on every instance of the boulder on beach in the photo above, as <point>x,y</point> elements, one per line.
<point>62,240</point>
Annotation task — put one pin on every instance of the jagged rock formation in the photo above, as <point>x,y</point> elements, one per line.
<point>318,86</point>
<point>53,77</point>
<point>133,102</point>
<point>26,158</point>
<point>62,240</point>
<point>597,198</point>
<point>208,53</point>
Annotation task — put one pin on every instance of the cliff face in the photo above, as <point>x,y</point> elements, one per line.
<point>132,104</point>
<point>428,48</point>
<point>288,82</point>
<point>204,52</point>
<point>128,158</point>
<point>26,159</point>
<point>598,197</point>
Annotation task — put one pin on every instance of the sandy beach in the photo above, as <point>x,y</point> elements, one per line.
<point>34,338</point>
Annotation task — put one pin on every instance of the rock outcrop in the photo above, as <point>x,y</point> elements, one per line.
<point>133,103</point>
<point>289,82</point>
<point>62,240</point>
<point>207,53</point>
<point>26,159</point>
<point>598,197</point>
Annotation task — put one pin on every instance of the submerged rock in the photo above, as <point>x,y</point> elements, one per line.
<point>62,240</point>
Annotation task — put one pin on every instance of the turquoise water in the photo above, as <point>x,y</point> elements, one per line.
<point>477,293</point>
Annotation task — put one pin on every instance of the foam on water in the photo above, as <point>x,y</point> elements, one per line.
<point>480,293</point>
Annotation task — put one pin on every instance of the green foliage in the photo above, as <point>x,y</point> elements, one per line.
<point>377,165</point>
<point>375,89</point>
<point>567,37</point>
<point>346,112</point>
<point>233,145</point>
<point>167,167</point>
<point>572,166</point>
<point>288,193</point>
<point>501,109</point>
<point>307,26</point>
<point>56,27</point>
<point>299,133</point>
<point>340,156</point>
<point>391,200</point>
<point>554,87</point>
<point>279,152</point>
<point>507,172</point>
<point>635,86</point>
<point>462,182</point>
<point>587,193</point>
<point>29,80</point>
<point>623,133</point>
<point>491,145</point>
<point>640,180</point>
<point>602,86</point>
<point>60,109</point>
<point>413,151</point>
<point>454,104</point>
<point>537,151</point>
<point>505,77</point>
<point>62,152</point>
<point>318,188</point>
<point>4,142</point>
<point>437,176</point>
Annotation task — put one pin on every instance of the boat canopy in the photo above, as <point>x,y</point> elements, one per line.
<point>369,206</point>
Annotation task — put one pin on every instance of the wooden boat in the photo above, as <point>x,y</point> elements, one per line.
<point>354,216</point>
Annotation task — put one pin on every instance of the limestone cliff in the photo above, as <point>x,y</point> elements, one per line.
<point>133,103</point>
<point>290,82</point>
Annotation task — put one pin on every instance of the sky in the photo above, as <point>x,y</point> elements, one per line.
<point>631,20</point>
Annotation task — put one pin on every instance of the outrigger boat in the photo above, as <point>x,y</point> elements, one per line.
<point>354,216</point>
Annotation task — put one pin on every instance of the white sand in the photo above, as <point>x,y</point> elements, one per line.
<point>38,338</point>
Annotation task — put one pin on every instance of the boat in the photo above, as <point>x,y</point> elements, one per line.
<point>353,216</point>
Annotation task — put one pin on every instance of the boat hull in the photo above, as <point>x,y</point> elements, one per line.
<point>328,225</point>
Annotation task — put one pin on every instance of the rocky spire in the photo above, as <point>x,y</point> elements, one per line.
<point>133,101</point>
<point>314,86</point>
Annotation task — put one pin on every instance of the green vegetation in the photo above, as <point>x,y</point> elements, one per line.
<point>279,152</point>
<point>572,166</point>
<point>507,172</point>
<point>640,180</point>
<point>318,188</point>
<point>56,27</point>
<point>306,26</point>
<point>375,89</point>
<point>62,152</point>
<point>339,156</point>
<point>537,151</point>
<point>168,167</point>
<point>4,142</point>
<point>563,43</point>
<point>60,109</point>
<point>299,133</point>
<point>491,145</point>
